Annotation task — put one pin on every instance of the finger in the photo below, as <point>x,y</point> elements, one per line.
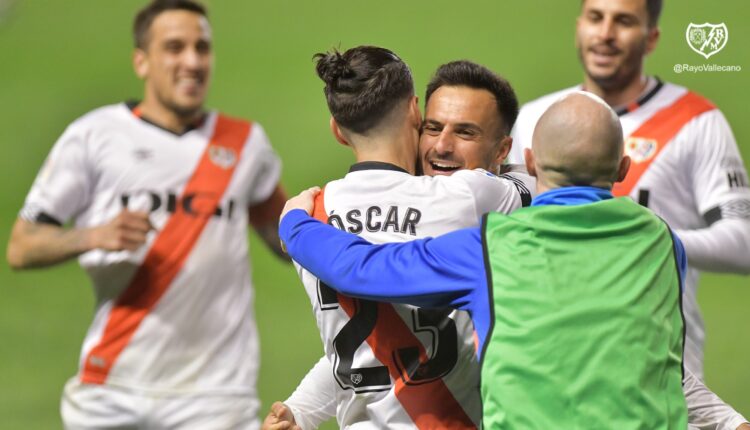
<point>130,245</point>
<point>279,409</point>
<point>141,223</point>
<point>314,190</point>
<point>136,236</point>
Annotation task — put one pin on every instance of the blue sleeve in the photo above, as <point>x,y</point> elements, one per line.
<point>444,271</point>
<point>681,257</point>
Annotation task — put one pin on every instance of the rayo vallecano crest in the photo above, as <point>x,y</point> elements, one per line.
<point>707,39</point>
<point>640,149</point>
<point>221,156</point>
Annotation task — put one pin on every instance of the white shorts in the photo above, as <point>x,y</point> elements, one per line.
<point>89,407</point>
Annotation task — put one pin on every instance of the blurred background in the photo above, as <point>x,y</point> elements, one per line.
<point>60,59</point>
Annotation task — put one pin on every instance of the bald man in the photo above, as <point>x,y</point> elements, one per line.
<point>575,300</point>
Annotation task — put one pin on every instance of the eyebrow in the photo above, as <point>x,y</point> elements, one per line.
<point>470,125</point>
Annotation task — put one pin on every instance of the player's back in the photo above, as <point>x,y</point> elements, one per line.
<point>398,366</point>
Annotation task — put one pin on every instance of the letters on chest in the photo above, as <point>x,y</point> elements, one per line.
<point>375,218</point>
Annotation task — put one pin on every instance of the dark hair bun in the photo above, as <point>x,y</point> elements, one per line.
<point>332,68</point>
<point>363,84</point>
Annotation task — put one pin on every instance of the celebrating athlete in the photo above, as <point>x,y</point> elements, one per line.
<point>399,366</point>
<point>160,192</point>
<point>686,165</point>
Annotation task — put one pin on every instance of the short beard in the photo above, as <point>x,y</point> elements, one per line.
<point>623,76</point>
<point>182,112</point>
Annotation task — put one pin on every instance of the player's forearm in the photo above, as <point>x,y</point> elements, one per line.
<point>706,411</point>
<point>722,247</point>
<point>314,400</point>
<point>38,245</point>
<point>269,233</point>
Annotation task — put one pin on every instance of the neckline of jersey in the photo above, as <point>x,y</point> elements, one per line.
<point>134,109</point>
<point>642,100</point>
<point>375,165</point>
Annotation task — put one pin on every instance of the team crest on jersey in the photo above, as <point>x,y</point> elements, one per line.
<point>640,149</point>
<point>707,39</point>
<point>222,156</point>
<point>356,378</point>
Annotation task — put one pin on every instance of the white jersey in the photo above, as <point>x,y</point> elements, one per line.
<point>399,366</point>
<point>685,167</point>
<point>175,316</point>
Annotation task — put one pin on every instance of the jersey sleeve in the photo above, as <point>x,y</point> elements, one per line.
<point>720,182</point>
<point>706,411</point>
<point>721,193</point>
<point>493,193</point>
<point>445,271</point>
<point>266,166</point>
<point>62,187</point>
<point>314,400</point>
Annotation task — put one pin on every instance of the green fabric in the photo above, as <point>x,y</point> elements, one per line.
<point>588,331</point>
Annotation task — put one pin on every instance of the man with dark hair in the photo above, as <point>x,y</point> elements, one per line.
<point>557,291</point>
<point>379,370</point>
<point>461,91</point>
<point>160,193</point>
<point>686,164</point>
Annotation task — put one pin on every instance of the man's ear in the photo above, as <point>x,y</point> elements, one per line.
<point>415,114</point>
<point>622,171</point>
<point>337,133</point>
<point>652,39</point>
<point>140,63</point>
<point>504,149</point>
<point>528,157</point>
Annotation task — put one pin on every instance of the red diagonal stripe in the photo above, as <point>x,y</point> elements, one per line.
<point>430,405</point>
<point>662,127</point>
<point>168,253</point>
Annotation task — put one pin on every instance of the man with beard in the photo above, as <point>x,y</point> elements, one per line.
<point>686,164</point>
<point>400,366</point>
<point>160,192</point>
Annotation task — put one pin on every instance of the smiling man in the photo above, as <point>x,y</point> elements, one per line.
<point>160,193</point>
<point>686,164</point>
<point>466,121</point>
<point>370,376</point>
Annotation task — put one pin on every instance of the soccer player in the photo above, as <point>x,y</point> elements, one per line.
<point>556,352</point>
<point>686,165</point>
<point>399,366</point>
<point>160,193</point>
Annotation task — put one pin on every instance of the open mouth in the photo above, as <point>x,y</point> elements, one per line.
<point>444,167</point>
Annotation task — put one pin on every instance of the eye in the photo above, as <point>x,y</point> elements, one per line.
<point>431,129</point>
<point>626,21</point>
<point>173,46</point>
<point>466,133</point>
<point>203,47</point>
<point>594,16</point>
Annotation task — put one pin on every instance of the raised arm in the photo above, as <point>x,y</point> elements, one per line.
<point>446,271</point>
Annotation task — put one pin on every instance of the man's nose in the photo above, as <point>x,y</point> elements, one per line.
<point>191,58</point>
<point>606,29</point>
<point>444,144</point>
